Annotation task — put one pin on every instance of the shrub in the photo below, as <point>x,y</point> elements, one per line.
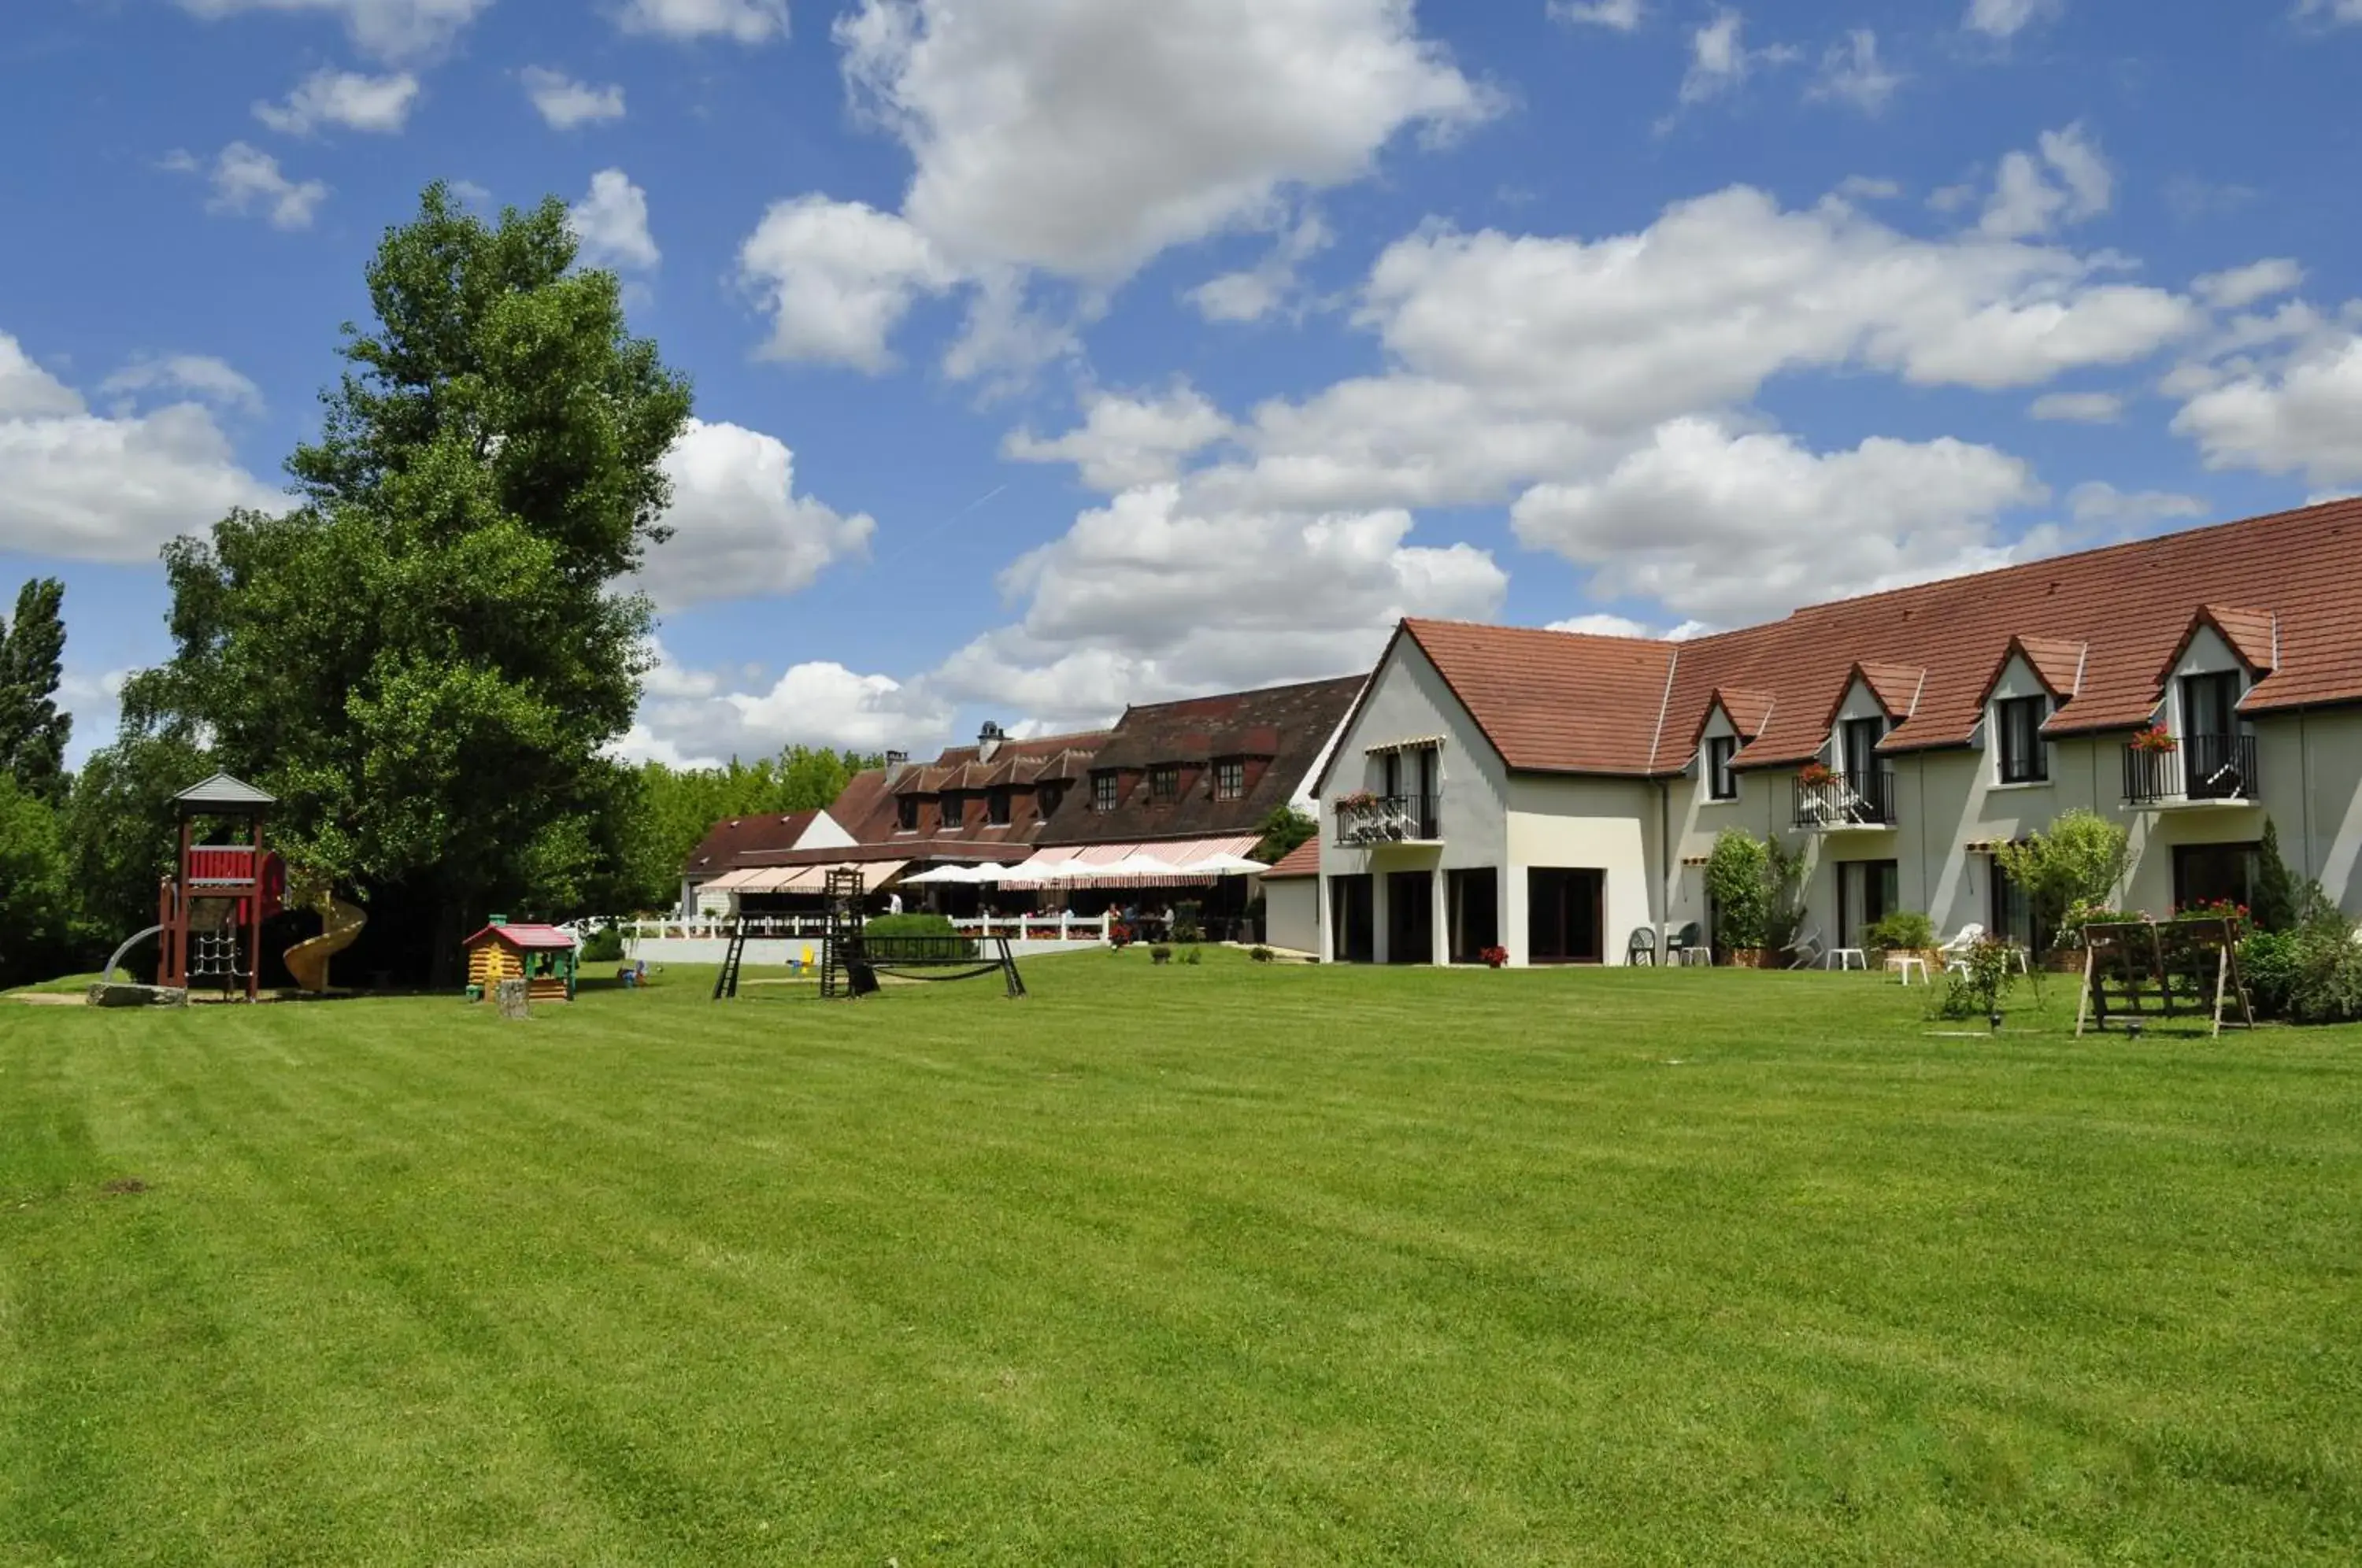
<point>1261,954</point>
<point>1188,923</point>
<point>1193,955</point>
<point>1160,954</point>
<point>1903,931</point>
<point>1737,878</point>
<point>2326,982</point>
<point>1977,989</point>
<point>2267,963</point>
<point>2274,904</point>
<point>2079,861</point>
<point>917,925</point>
<point>604,946</point>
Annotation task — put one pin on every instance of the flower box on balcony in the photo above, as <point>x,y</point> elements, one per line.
<point>2156,741</point>
<point>1815,774</point>
<point>1359,800</point>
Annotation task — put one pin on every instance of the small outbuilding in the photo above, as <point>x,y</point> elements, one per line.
<point>542,955</point>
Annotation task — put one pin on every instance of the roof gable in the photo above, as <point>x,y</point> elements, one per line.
<point>1304,860</point>
<point>1555,701</point>
<point>2251,634</point>
<point>1747,711</point>
<point>1894,687</point>
<point>220,793</point>
<point>2055,662</point>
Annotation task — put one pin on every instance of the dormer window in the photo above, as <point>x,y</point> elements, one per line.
<point>1046,798</point>
<point>1721,780</point>
<point>906,814</point>
<point>2025,755</point>
<point>1165,783</point>
<point>2210,704</point>
<point>1229,779</point>
<point>952,813</point>
<point>1103,790</point>
<point>996,808</point>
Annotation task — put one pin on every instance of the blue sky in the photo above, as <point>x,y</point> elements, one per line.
<point>1052,354</point>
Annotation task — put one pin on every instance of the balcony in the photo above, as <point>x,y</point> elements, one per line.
<point>1843,801</point>
<point>2203,770</point>
<point>1364,820</point>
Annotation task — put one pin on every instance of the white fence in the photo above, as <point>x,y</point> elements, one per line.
<point>777,939</point>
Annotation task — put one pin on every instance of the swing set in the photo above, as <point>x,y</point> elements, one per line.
<point>2140,969</point>
<point>851,960</point>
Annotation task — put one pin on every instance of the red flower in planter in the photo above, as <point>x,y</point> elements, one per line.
<point>2157,740</point>
<point>1495,956</point>
<point>1816,774</point>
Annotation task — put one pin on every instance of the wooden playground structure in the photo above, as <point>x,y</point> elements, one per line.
<point>851,960</point>
<point>2141,970</point>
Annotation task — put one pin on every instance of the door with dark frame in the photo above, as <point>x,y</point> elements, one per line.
<point>2214,874</point>
<point>1868,891</point>
<point>1410,917</point>
<point>1351,923</point>
<point>1565,915</point>
<point>1473,918</point>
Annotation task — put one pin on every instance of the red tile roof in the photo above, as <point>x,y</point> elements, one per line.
<point>2100,627</point>
<point>1747,712</point>
<point>725,841</point>
<point>524,936</point>
<point>1304,860</point>
<point>1556,702</point>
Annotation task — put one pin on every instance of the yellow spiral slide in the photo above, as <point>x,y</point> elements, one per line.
<point>340,927</point>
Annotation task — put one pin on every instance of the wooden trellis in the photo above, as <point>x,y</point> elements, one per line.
<point>2182,968</point>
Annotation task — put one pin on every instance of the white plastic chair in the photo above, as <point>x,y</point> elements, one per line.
<point>1805,951</point>
<point>1955,953</point>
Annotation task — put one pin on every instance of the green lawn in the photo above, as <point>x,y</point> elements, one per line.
<point>1227,1264</point>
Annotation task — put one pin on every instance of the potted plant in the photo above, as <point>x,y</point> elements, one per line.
<point>2155,740</point>
<point>1738,876</point>
<point>1495,956</point>
<point>1814,775</point>
<point>1360,800</point>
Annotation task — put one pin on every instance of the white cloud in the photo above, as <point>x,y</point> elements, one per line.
<point>1865,188</point>
<point>2304,416</point>
<point>2068,183</point>
<point>200,375</point>
<point>1153,596</point>
<point>388,30</point>
<point>1601,626</point>
<point>349,98</point>
<point>2239,287</point>
<point>740,531</point>
<point>1624,15</point>
<point>564,103</point>
<point>2098,504</point>
<point>1780,526</point>
<point>1721,60</point>
<point>246,180</point>
<point>1251,294</point>
<point>691,718</point>
<point>1851,72</point>
<point>740,21</point>
<point>1124,442</point>
<point>2079,408</point>
<point>837,277</point>
<point>640,743</point>
<point>80,486</point>
<point>1082,139</point>
<point>1725,291</point>
<point>2331,10</point>
<point>2006,19</point>
<point>611,223</point>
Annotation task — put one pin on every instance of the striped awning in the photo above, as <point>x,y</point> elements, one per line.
<point>1183,853</point>
<point>1417,743</point>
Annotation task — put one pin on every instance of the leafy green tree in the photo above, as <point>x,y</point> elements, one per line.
<point>2071,871</point>
<point>118,830</point>
<point>33,733</point>
<point>427,659</point>
<point>1284,832</point>
<point>35,903</point>
<point>1739,881</point>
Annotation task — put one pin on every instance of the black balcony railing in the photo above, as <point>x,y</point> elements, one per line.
<point>1364,820</point>
<point>1847,799</point>
<point>2202,767</point>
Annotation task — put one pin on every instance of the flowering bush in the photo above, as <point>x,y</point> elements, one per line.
<point>1495,956</point>
<point>2218,909</point>
<point>2156,739</point>
<point>1359,800</point>
<point>1815,774</point>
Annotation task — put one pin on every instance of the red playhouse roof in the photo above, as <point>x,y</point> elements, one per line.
<point>526,938</point>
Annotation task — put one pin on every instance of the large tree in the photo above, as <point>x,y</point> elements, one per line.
<point>428,658</point>
<point>33,734</point>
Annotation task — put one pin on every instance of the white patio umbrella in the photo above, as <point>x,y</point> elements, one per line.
<point>1226,866</point>
<point>944,874</point>
<point>1138,865</point>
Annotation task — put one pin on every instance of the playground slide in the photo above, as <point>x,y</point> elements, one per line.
<point>340,927</point>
